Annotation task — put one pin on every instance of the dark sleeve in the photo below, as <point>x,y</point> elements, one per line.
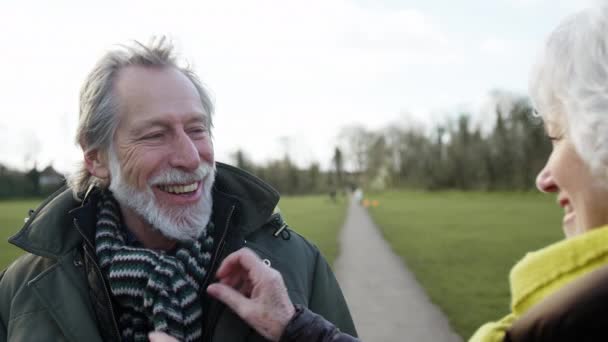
<point>3,324</point>
<point>577,312</point>
<point>306,326</point>
<point>326,298</point>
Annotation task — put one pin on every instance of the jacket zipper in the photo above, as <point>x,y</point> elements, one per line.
<point>220,246</point>
<point>218,253</point>
<point>107,293</point>
<point>103,283</point>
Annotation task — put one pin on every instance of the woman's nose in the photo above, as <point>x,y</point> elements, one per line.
<point>545,181</point>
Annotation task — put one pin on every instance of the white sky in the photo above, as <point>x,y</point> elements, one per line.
<point>276,69</point>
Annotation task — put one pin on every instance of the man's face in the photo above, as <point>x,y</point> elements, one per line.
<point>162,164</point>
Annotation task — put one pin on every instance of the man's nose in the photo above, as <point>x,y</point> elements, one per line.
<point>545,181</point>
<point>184,154</point>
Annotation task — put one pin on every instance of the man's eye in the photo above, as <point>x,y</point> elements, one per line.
<point>198,130</point>
<point>152,136</point>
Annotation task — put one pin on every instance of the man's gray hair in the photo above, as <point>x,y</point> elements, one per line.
<point>99,104</point>
<point>569,84</point>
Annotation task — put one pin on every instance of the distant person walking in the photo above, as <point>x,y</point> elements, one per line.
<point>559,293</point>
<point>333,195</point>
<point>358,195</point>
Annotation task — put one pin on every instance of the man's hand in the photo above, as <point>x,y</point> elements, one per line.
<point>255,292</point>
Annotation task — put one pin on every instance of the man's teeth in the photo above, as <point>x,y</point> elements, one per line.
<point>178,189</point>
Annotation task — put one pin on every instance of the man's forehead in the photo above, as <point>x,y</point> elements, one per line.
<point>137,80</point>
<point>153,93</point>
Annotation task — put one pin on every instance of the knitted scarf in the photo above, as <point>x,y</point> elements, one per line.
<point>155,291</point>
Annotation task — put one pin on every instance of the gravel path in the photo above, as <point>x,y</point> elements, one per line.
<point>386,301</point>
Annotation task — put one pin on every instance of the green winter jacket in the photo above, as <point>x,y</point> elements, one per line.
<point>56,292</point>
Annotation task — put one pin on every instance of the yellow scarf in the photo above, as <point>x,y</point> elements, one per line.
<point>543,272</point>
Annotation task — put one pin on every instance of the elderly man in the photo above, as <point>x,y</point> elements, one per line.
<point>131,246</point>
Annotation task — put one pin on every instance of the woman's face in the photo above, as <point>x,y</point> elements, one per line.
<point>585,203</point>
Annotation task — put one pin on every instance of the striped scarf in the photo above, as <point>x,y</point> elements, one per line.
<point>155,291</point>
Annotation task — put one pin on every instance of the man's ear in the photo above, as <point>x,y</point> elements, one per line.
<point>97,164</point>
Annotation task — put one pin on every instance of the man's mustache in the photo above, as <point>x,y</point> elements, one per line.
<point>177,176</point>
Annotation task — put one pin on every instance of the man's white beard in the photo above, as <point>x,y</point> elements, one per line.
<point>185,222</point>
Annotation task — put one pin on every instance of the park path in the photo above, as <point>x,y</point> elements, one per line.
<point>386,301</point>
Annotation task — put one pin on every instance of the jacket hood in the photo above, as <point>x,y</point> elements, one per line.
<point>51,232</point>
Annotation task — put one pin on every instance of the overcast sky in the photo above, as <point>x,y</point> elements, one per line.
<point>297,69</point>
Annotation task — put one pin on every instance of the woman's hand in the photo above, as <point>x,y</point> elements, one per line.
<point>255,292</point>
<point>158,336</point>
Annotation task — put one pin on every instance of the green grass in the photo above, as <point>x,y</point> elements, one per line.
<point>12,214</point>
<point>316,218</point>
<point>461,246</point>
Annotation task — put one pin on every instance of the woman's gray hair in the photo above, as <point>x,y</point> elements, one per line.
<point>99,105</point>
<point>569,84</point>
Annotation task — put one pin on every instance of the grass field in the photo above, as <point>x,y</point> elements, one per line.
<point>461,246</point>
<point>315,217</point>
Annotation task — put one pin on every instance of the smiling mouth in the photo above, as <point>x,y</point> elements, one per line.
<point>564,203</point>
<point>568,210</point>
<point>178,189</point>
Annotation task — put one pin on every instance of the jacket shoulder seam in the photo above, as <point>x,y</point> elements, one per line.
<point>314,275</point>
<point>36,276</point>
<point>26,313</point>
<point>306,241</point>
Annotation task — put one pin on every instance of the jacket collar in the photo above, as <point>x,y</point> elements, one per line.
<point>61,222</point>
<point>49,231</point>
<point>255,200</point>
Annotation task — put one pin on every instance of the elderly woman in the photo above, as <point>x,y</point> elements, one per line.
<point>558,292</point>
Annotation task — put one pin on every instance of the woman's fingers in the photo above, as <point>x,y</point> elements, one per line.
<point>231,297</point>
<point>157,336</point>
<point>244,258</point>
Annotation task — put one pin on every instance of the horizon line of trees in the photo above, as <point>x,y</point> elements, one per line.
<point>454,155</point>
